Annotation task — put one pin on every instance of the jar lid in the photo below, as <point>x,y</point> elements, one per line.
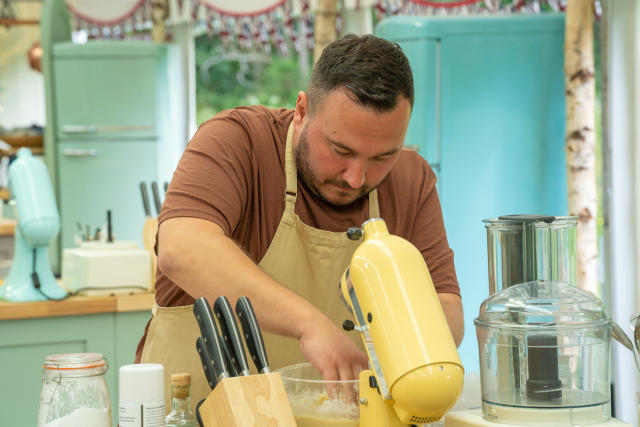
<point>76,364</point>
<point>540,304</point>
<point>142,382</point>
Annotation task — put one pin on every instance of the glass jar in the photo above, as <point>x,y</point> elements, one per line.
<point>74,391</point>
<point>316,402</point>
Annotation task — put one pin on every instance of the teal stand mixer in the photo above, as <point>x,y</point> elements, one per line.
<point>38,223</point>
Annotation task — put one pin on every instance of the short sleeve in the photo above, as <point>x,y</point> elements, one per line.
<point>212,178</point>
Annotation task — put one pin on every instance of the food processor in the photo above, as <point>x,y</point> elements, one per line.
<point>543,342</point>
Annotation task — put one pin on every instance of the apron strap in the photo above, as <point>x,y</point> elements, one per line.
<point>374,207</point>
<point>291,174</point>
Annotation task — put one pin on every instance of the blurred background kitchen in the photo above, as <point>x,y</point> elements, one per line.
<point>107,95</point>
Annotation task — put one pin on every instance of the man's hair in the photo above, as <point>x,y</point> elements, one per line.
<point>373,69</point>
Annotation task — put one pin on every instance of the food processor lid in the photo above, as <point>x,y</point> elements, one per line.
<point>540,304</point>
<point>538,221</point>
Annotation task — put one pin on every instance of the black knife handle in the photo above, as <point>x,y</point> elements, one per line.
<point>231,367</point>
<point>212,341</point>
<point>231,334</point>
<point>156,197</point>
<point>145,198</point>
<point>205,359</point>
<point>252,334</point>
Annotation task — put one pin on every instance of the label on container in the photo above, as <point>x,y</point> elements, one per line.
<point>150,414</point>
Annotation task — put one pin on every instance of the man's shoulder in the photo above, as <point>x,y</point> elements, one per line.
<point>249,126</point>
<point>252,115</point>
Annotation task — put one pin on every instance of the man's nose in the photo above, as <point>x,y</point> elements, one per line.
<point>355,173</point>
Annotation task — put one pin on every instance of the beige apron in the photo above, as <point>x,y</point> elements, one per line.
<point>306,260</point>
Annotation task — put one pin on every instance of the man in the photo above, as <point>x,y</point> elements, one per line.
<point>260,202</point>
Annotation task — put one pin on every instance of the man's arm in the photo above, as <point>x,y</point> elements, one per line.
<point>452,307</point>
<point>196,255</point>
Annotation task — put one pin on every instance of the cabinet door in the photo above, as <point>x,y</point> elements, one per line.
<point>25,344</point>
<point>98,176</point>
<point>105,96</point>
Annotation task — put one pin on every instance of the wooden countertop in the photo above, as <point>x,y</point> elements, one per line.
<point>77,305</point>
<point>7,226</point>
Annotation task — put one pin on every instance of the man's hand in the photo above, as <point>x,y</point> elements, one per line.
<point>331,352</point>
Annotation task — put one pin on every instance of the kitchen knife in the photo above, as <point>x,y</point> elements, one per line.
<point>252,334</point>
<point>109,230</point>
<point>211,339</point>
<point>156,197</point>
<point>145,199</point>
<point>231,367</point>
<point>206,362</point>
<point>231,334</point>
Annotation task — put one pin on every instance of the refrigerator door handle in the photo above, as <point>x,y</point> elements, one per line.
<point>79,152</point>
<point>105,128</point>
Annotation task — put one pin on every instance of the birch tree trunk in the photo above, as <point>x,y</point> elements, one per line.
<point>580,137</point>
<point>159,15</point>
<point>325,26</point>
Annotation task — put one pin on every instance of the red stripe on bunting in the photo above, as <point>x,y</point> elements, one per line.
<point>241,15</point>
<point>445,5</point>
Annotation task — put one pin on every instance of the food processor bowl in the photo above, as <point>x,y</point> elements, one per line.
<point>316,402</point>
<point>544,355</point>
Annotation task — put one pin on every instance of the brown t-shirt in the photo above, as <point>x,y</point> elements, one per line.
<point>232,173</point>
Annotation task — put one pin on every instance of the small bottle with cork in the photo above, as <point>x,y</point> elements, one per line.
<point>181,413</point>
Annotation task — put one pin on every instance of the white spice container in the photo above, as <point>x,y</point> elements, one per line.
<point>141,395</point>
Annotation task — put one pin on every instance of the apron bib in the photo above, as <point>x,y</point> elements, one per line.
<point>306,260</point>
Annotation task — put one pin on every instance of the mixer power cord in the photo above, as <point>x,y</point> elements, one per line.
<point>36,281</point>
<point>36,284</point>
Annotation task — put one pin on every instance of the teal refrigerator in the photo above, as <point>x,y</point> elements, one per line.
<point>489,117</point>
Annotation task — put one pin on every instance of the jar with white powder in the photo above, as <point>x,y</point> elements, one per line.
<point>74,391</point>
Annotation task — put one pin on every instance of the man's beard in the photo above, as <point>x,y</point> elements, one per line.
<point>310,178</point>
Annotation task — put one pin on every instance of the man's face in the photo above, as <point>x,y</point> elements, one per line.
<point>344,150</point>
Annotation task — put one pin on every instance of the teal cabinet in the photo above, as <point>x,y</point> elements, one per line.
<point>95,176</point>
<point>24,344</point>
<point>489,116</point>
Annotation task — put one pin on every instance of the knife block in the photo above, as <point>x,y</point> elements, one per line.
<point>254,400</point>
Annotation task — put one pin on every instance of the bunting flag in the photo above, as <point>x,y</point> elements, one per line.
<point>385,8</point>
<point>114,19</point>
<point>256,24</point>
<point>262,25</point>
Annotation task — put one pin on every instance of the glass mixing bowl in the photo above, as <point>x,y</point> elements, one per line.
<point>319,403</point>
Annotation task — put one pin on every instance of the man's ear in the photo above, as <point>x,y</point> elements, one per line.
<point>301,111</point>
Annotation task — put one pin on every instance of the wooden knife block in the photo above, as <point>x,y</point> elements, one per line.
<point>149,231</point>
<point>254,400</point>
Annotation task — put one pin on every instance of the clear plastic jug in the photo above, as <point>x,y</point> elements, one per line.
<point>74,391</point>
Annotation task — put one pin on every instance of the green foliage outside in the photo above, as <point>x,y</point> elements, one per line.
<point>227,78</point>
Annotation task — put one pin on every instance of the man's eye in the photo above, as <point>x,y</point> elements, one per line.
<point>381,158</point>
<point>341,151</point>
